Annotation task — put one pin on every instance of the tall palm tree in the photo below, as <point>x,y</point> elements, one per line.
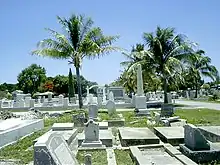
<point>166,52</point>
<point>80,40</point>
<point>200,66</point>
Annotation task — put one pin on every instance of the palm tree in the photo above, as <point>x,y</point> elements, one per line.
<point>166,52</point>
<point>200,66</point>
<point>80,40</point>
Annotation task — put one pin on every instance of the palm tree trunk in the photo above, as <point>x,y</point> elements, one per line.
<point>79,88</point>
<point>165,90</point>
<point>196,94</point>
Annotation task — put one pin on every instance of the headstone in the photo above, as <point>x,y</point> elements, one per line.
<point>169,98</point>
<point>43,99</point>
<point>49,96</point>
<point>61,99</point>
<point>91,135</point>
<point>194,139</point>
<point>88,159</point>
<point>32,103</point>
<point>118,92</point>
<point>53,150</point>
<point>111,96</point>
<point>110,105</point>
<point>90,99</point>
<point>65,102</point>
<point>39,99</point>
<point>167,110</point>
<point>27,101</point>
<point>87,91</point>
<point>93,111</point>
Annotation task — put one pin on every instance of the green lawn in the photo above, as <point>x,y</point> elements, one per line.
<point>200,116</point>
<point>123,157</point>
<point>99,157</point>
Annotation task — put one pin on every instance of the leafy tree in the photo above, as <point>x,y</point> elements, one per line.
<point>9,87</point>
<point>71,87</point>
<point>60,84</point>
<point>30,79</point>
<point>81,40</point>
<point>199,65</point>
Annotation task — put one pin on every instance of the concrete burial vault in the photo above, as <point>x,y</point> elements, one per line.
<point>137,136</point>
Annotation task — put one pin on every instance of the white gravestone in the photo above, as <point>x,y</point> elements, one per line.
<point>61,99</point>
<point>104,95</point>
<point>52,149</point>
<point>93,111</point>
<point>27,101</point>
<point>91,129</point>
<point>32,101</point>
<point>110,105</point>
<point>140,99</point>
<point>65,102</point>
<point>111,96</point>
<point>88,159</point>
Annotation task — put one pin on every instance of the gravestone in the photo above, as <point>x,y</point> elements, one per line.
<point>91,129</point>
<point>167,110</point>
<point>65,102</point>
<point>88,159</point>
<point>110,105</point>
<point>111,96</point>
<point>32,103</point>
<point>61,99</point>
<point>50,96</point>
<point>169,98</point>
<point>90,99</point>
<point>53,150</point>
<point>104,95</point>
<point>99,101</point>
<point>93,111</point>
<point>27,101</point>
<point>194,139</point>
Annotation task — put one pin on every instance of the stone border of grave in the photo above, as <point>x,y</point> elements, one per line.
<point>116,122</point>
<point>211,136</point>
<point>172,151</point>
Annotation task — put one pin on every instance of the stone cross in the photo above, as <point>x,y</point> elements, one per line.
<point>88,159</point>
<point>140,90</point>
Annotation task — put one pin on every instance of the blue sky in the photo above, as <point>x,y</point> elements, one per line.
<point>22,24</point>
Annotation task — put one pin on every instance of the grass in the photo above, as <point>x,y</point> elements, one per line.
<point>123,157</point>
<point>99,157</point>
<point>200,116</point>
<point>106,116</point>
<point>20,151</point>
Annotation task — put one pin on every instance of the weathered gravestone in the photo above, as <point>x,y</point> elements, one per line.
<point>91,135</point>
<point>93,111</point>
<point>53,150</point>
<point>110,105</point>
<point>194,139</point>
<point>111,96</point>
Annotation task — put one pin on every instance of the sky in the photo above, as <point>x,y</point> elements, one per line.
<point>23,23</point>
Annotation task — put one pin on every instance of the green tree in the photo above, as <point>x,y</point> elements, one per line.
<point>81,40</point>
<point>60,84</point>
<point>200,66</point>
<point>166,50</point>
<point>70,85</point>
<point>30,79</point>
<point>9,87</point>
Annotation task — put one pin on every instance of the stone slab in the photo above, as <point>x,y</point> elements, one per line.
<point>212,133</point>
<point>172,135</point>
<point>53,150</point>
<point>103,125</point>
<point>105,137</point>
<point>68,135</point>
<point>25,128</point>
<point>157,154</point>
<point>62,126</point>
<point>137,136</point>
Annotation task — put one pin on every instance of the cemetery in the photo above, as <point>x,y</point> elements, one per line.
<point>53,131</point>
<point>161,110</point>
